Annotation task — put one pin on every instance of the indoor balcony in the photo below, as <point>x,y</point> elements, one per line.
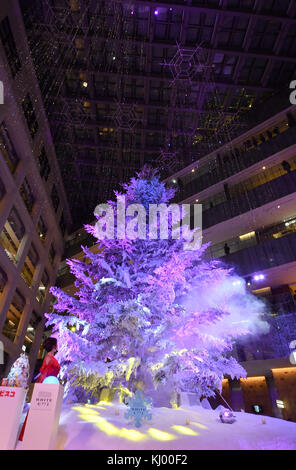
<point>274,252</point>
<point>239,163</point>
<point>256,197</point>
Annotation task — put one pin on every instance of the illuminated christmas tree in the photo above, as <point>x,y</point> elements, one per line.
<point>19,372</point>
<point>147,310</point>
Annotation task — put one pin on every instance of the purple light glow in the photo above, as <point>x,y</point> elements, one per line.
<point>155,12</point>
<point>258,277</point>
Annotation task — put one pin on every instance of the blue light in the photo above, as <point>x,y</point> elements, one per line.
<point>51,380</point>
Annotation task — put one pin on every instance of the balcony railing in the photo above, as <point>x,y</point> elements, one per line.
<point>266,255</point>
<point>238,163</point>
<point>256,197</point>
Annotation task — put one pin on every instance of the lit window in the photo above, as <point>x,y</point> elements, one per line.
<point>12,234</point>
<point>31,261</point>
<point>14,316</point>
<point>31,331</point>
<point>42,287</point>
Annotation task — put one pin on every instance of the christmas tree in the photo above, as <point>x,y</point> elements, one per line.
<point>148,311</point>
<point>19,372</point>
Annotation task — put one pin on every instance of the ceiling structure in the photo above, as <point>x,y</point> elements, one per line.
<point>163,83</point>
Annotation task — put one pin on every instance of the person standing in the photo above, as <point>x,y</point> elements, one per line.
<point>50,367</point>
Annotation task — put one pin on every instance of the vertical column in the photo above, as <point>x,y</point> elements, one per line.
<point>236,395</point>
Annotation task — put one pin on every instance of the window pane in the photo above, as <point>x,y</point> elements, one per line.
<point>42,287</point>
<point>30,264</point>
<point>14,316</point>
<point>12,234</point>
<point>31,331</point>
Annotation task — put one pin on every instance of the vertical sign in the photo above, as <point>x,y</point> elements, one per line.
<point>12,401</point>
<point>43,418</point>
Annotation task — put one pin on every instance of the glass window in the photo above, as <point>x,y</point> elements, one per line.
<point>9,46</point>
<point>14,316</point>
<point>42,287</point>
<point>30,115</point>
<point>7,149</point>
<point>44,164</point>
<point>27,195</point>
<point>12,234</point>
<point>31,331</point>
<point>55,198</point>
<point>41,229</point>
<point>31,261</point>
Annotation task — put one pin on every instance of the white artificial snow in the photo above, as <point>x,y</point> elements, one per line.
<point>104,427</point>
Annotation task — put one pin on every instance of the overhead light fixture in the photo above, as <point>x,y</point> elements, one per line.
<point>174,181</point>
<point>196,200</point>
<point>291,222</point>
<point>85,84</point>
<point>264,168</point>
<point>278,206</point>
<point>280,404</point>
<point>248,235</point>
<point>258,277</point>
<point>193,170</point>
<point>155,12</point>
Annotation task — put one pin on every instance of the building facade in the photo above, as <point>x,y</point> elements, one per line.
<point>247,189</point>
<point>34,213</point>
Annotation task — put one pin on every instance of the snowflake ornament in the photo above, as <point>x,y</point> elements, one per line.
<point>186,64</point>
<point>138,408</point>
<point>125,116</point>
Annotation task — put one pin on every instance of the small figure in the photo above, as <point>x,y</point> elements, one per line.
<point>286,166</point>
<point>226,249</point>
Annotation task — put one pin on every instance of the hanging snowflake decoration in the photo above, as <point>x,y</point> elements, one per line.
<point>138,408</point>
<point>167,160</point>
<point>125,116</point>
<point>186,64</point>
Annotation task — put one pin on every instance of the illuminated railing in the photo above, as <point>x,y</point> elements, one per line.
<point>256,197</point>
<point>275,252</point>
<point>238,163</point>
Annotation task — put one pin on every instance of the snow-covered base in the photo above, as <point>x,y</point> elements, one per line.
<point>104,427</point>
